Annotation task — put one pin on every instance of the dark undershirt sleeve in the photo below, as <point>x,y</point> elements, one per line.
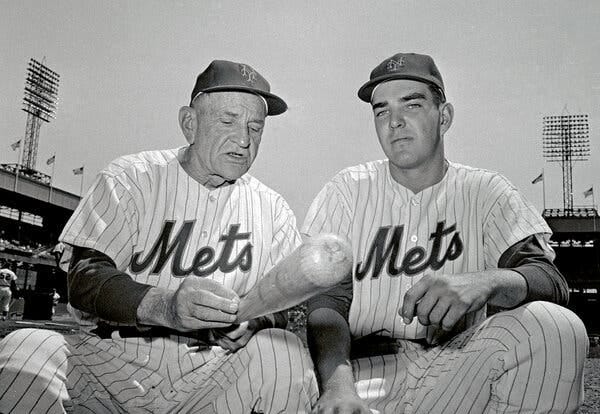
<point>280,319</point>
<point>337,298</point>
<point>97,287</point>
<point>544,280</point>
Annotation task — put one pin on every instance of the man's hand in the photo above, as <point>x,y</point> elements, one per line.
<point>441,300</point>
<point>198,303</point>
<point>334,402</point>
<point>235,336</point>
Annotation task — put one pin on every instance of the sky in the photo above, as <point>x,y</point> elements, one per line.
<point>126,67</point>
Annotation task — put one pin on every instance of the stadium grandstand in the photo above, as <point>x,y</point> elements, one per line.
<point>32,215</point>
<point>576,241</point>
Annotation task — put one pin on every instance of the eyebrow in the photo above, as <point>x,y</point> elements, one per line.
<point>412,96</point>
<point>236,115</point>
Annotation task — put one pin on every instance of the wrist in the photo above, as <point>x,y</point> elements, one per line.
<point>508,288</point>
<point>341,380</point>
<point>155,308</point>
<point>338,387</point>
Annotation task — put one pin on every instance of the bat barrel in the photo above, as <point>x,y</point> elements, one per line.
<point>317,265</point>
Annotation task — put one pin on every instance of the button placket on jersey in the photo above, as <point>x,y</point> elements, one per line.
<point>415,202</point>
<point>212,205</point>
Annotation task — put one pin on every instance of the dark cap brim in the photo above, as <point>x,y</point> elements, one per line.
<point>276,105</point>
<point>365,91</point>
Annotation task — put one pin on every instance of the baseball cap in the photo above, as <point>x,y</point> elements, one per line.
<point>403,66</point>
<point>223,75</point>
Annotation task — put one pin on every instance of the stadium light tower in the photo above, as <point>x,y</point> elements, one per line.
<point>565,140</point>
<point>40,100</point>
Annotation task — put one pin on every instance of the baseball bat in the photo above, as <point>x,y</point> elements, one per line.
<point>315,266</point>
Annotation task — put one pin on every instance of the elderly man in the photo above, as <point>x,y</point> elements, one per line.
<point>434,242</point>
<point>162,247</point>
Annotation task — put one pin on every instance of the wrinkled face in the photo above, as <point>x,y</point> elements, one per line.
<point>229,129</point>
<point>407,122</point>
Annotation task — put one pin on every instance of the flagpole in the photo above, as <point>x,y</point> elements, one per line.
<point>594,207</point>
<point>18,153</point>
<point>543,190</point>
<point>18,167</point>
<point>52,176</point>
<point>81,184</point>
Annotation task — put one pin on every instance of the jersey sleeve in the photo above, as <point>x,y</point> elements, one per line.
<point>105,220</point>
<point>509,219</point>
<point>328,213</point>
<point>286,236</point>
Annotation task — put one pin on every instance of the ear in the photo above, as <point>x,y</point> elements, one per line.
<point>188,122</point>
<point>446,116</point>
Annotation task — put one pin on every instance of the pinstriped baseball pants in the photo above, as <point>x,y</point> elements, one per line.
<point>526,360</point>
<point>43,371</point>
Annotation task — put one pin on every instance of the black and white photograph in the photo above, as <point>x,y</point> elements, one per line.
<point>340,207</point>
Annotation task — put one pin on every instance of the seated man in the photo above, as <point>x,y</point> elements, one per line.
<point>434,242</point>
<point>162,246</point>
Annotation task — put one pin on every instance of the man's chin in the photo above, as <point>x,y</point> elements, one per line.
<point>404,163</point>
<point>233,175</point>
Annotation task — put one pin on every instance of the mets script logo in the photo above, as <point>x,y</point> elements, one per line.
<point>394,65</point>
<point>415,260</point>
<point>205,261</point>
<point>248,73</point>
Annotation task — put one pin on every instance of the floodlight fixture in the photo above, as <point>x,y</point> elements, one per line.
<point>566,140</point>
<point>39,101</point>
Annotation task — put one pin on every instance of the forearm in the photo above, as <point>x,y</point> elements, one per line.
<point>508,287</point>
<point>97,287</point>
<point>329,342</point>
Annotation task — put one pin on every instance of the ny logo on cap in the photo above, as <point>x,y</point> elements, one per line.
<point>248,73</point>
<point>394,65</point>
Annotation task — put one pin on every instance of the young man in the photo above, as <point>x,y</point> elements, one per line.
<point>162,246</point>
<point>434,243</point>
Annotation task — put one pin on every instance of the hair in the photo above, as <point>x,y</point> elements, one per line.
<point>196,101</point>
<point>438,96</point>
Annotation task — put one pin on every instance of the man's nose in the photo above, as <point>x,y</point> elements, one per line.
<point>396,120</point>
<point>242,138</point>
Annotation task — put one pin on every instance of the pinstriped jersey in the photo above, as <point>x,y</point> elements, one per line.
<point>6,277</point>
<point>159,225</point>
<point>462,224</point>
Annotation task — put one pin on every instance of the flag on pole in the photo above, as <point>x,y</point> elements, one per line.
<point>51,160</point>
<point>15,145</point>
<point>78,171</point>
<point>538,178</point>
<point>588,192</point>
